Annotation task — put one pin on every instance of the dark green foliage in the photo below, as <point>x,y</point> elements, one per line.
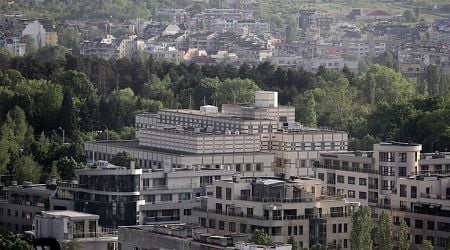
<point>10,241</point>
<point>261,238</point>
<point>362,225</point>
<point>122,159</point>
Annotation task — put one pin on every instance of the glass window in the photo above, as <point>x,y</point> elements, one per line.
<point>219,192</point>
<point>166,197</point>
<point>351,180</point>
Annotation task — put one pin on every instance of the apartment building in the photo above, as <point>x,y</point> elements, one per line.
<point>423,201</point>
<point>396,178</point>
<point>282,208</point>
<point>19,204</point>
<point>368,177</point>
<point>70,226</point>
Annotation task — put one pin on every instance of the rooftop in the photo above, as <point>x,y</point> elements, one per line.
<point>70,214</point>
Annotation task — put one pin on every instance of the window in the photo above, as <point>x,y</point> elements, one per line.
<point>228,193</point>
<point>212,223</point>
<point>362,195</point>
<point>295,230</point>
<point>248,167</point>
<point>166,197</point>
<point>418,224</point>
<point>339,228</point>
<point>289,230</point>
<point>334,228</point>
<point>402,157</point>
<point>388,185</point>
<point>345,227</point>
<point>402,171</point>
<point>221,225</point>
<point>321,176</point>
<point>387,157</point>
<point>184,196</point>
<point>351,194</point>
<point>232,227</point>
<point>387,171</point>
<point>238,167</point>
<point>149,198</point>
<point>351,180</point>
<point>218,207</point>
<point>219,192</point>
<point>413,192</point>
<point>258,167</point>
<point>430,225</point>
<point>187,212</point>
<point>340,179</point>
<point>403,192</point>
<point>249,211</point>
<point>243,228</point>
<point>300,230</point>
<point>362,181</point>
<point>418,239</point>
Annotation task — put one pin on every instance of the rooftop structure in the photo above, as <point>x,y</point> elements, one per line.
<point>66,226</point>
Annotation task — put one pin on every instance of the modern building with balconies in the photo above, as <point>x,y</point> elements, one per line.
<point>282,208</point>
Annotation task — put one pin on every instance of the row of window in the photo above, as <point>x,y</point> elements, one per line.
<point>25,214</point>
<point>168,197</point>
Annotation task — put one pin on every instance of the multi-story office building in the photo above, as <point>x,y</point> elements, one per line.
<point>70,226</point>
<point>282,208</point>
<point>132,196</point>
<point>396,178</point>
<point>20,204</point>
<point>253,139</point>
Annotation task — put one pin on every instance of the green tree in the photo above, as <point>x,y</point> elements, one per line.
<point>236,91</point>
<point>157,89</point>
<point>10,241</point>
<point>122,159</point>
<point>293,242</point>
<point>305,107</point>
<point>66,167</point>
<point>26,169</point>
<point>403,236</point>
<point>77,82</point>
<point>67,116</point>
<point>426,245</point>
<point>408,16</point>
<point>50,53</point>
<point>291,32</point>
<point>362,226</point>
<point>31,45</point>
<point>384,232</point>
<point>261,238</point>
<point>70,38</point>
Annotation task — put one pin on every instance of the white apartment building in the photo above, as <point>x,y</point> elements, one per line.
<point>423,201</point>
<point>395,178</point>
<point>36,31</point>
<point>368,177</point>
<point>13,43</point>
<point>282,208</point>
<point>66,226</point>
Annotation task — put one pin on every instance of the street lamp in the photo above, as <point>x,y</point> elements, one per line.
<point>63,134</point>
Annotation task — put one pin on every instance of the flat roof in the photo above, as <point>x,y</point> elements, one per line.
<point>212,114</point>
<point>69,213</point>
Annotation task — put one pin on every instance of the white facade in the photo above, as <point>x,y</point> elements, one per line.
<point>66,226</point>
<point>37,32</point>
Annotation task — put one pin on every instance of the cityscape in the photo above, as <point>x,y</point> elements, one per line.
<point>225,124</point>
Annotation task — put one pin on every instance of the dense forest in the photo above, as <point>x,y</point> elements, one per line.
<point>48,92</point>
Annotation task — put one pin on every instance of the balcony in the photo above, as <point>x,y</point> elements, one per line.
<point>161,219</point>
<point>169,187</point>
<point>349,169</point>
<point>274,218</point>
<point>373,186</point>
<point>101,232</point>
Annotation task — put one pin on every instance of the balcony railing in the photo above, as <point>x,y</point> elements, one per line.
<point>342,168</point>
<point>161,219</point>
<point>274,218</point>
<point>101,232</point>
<point>373,186</point>
<point>289,200</point>
<point>168,187</point>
